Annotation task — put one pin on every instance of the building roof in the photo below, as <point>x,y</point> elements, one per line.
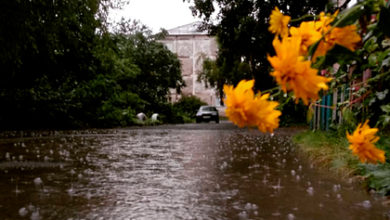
<point>188,29</point>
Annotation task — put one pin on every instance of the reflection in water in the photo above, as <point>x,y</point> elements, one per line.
<point>170,174</point>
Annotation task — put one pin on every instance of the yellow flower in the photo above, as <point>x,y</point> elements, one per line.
<point>308,34</point>
<point>237,102</point>
<point>323,27</point>
<point>244,109</point>
<point>323,24</point>
<point>322,49</point>
<point>362,144</point>
<point>267,116</point>
<point>345,36</point>
<point>278,23</point>
<point>293,73</point>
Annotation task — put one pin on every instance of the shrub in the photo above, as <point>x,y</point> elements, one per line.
<point>188,105</point>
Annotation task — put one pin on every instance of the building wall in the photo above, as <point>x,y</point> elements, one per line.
<point>191,51</point>
<point>338,3</point>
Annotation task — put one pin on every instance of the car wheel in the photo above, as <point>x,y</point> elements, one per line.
<point>198,120</point>
<point>217,121</point>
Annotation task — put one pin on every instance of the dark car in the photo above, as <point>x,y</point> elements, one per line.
<point>207,113</point>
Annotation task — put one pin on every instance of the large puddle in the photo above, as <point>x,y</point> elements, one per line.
<point>171,173</point>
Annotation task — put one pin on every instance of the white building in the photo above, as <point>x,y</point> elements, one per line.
<point>192,47</point>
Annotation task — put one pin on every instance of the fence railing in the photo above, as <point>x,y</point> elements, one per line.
<point>327,110</point>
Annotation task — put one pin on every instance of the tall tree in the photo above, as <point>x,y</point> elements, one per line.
<point>46,48</point>
<point>62,68</point>
<point>160,68</point>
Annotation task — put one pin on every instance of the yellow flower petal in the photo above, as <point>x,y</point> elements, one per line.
<point>292,73</point>
<point>346,36</point>
<point>308,33</point>
<point>278,23</point>
<point>362,144</point>
<point>243,108</point>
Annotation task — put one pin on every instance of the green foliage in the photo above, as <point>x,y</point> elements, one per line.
<point>349,16</point>
<point>366,71</point>
<point>384,119</point>
<point>46,52</point>
<point>348,124</point>
<point>368,99</point>
<point>169,114</point>
<point>61,69</point>
<point>375,55</point>
<point>160,68</point>
<point>292,113</point>
<point>182,111</point>
<point>189,105</point>
<point>384,144</point>
<point>328,150</point>
<point>378,177</point>
<point>113,116</point>
<point>331,151</point>
<point>212,75</point>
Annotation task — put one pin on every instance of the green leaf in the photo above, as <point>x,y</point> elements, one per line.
<point>371,45</point>
<point>382,95</point>
<point>368,36</point>
<point>386,62</point>
<point>384,120</point>
<point>386,43</point>
<point>371,101</point>
<point>313,48</point>
<point>383,55</point>
<point>338,54</point>
<point>319,61</point>
<point>372,59</point>
<point>349,16</point>
<point>386,108</point>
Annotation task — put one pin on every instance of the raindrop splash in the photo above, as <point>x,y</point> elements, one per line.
<point>310,190</point>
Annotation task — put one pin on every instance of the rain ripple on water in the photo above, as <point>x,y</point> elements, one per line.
<point>171,174</point>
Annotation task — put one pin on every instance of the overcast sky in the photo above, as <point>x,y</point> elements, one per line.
<point>156,14</point>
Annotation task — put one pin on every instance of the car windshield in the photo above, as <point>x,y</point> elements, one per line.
<point>208,108</point>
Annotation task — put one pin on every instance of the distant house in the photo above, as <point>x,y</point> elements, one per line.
<point>192,47</point>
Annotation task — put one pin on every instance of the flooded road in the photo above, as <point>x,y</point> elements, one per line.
<point>194,171</point>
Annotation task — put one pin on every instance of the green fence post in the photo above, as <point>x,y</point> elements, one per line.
<point>323,112</point>
<point>328,110</point>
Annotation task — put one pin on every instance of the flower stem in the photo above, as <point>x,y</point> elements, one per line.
<point>302,18</point>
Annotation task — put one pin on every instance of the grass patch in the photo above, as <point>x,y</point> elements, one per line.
<point>378,177</point>
<point>330,151</point>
